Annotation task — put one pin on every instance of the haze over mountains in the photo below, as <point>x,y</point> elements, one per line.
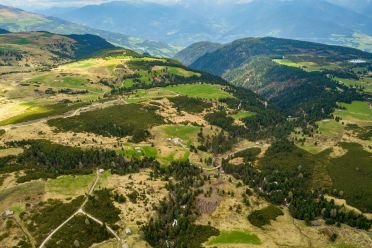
<point>192,21</point>
<point>17,20</point>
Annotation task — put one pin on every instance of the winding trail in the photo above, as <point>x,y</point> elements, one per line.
<point>309,243</point>
<point>219,158</point>
<point>25,231</point>
<point>80,211</point>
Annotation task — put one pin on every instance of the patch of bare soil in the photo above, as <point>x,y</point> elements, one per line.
<point>337,151</point>
<point>148,195</point>
<point>237,161</point>
<point>10,180</point>
<point>174,116</point>
<point>41,130</point>
<point>211,198</point>
<point>284,232</point>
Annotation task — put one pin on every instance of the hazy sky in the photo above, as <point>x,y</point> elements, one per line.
<point>27,4</point>
<point>67,3</point>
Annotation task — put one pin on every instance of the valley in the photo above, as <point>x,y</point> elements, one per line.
<point>106,147</point>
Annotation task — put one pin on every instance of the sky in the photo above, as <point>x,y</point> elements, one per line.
<point>35,4</point>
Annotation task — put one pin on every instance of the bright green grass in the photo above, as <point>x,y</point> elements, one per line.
<point>364,82</point>
<point>144,78</point>
<point>235,237</point>
<point>330,128</point>
<point>307,65</point>
<point>154,93</point>
<point>186,133</point>
<point>352,173</point>
<point>165,161</point>
<point>69,185</point>
<point>287,63</point>
<point>204,91</point>
<point>178,71</point>
<point>345,246</point>
<point>242,114</point>
<point>357,111</point>
<point>39,112</point>
<point>72,82</point>
<point>146,151</point>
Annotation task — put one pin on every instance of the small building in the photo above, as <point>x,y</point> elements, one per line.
<point>127,231</point>
<point>138,149</point>
<point>177,141</point>
<point>8,213</point>
<point>175,223</point>
<point>357,61</point>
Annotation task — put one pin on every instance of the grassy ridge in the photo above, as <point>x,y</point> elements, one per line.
<point>204,91</point>
<point>121,120</point>
<point>41,112</point>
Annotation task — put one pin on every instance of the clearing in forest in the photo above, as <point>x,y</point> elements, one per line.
<point>204,91</point>
<point>235,237</point>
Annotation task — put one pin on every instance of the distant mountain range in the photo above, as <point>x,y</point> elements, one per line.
<point>232,55</point>
<point>30,50</point>
<point>290,74</point>
<point>17,20</point>
<point>193,21</point>
<point>359,6</point>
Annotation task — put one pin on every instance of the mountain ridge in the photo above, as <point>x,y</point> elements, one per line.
<point>18,20</point>
<point>186,23</point>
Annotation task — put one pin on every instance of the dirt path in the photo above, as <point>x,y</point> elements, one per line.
<point>80,211</point>
<point>65,115</point>
<point>58,228</point>
<point>218,159</point>
<point>101,223</point>
<point>309,243</point>
<point>25,231</point>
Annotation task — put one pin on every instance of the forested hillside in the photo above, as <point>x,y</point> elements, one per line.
<point>234,54</point>
<point>295,76</point>
<point>37,49</point>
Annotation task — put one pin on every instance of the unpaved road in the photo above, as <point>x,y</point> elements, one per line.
<point>218,159</point>
<point>65,115</point>
<point>81,212</point>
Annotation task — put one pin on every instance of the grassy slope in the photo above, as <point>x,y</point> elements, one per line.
<point>204,91</point>
<point>235,237</point>
<point>121,120</point>
<point>358,111</point>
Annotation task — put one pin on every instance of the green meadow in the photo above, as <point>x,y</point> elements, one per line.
<point>146,151</point>
<point>204,91</point>
<point>356,111</point>
<point>186,133</point>
<point>242,114</point>
<point>365,83</point>
<point>235,237</point>
<point>177,71</point>
<point>330,128</point>
<point>69,185</point>
<point>38,112</point>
